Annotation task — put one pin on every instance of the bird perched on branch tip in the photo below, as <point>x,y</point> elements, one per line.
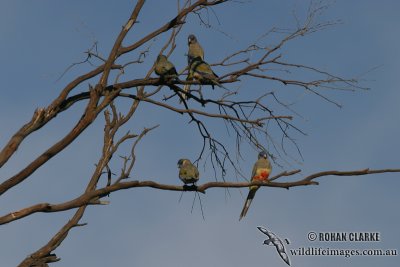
<point>261,170</point>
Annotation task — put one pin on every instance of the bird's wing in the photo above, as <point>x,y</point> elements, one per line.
<point>171,70</point>
<point>285,257</point>
<point>201,51</point>
<point>264,231</point>
<point>203,68</point>
<point>174,71</point>
<point>192,172</point>
<point>254,172</point>
<point>268,164</point>
<point>182,173</point>
<point>198,50</point>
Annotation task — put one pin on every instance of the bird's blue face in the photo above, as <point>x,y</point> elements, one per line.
<point>263,154</point>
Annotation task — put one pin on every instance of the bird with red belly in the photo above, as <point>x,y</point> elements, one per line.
<point>261,170</point>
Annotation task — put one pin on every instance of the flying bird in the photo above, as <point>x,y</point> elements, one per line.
<point>188,173</point>
<point>164,68</point>
<point>261,170</point>
<point>273,240</point>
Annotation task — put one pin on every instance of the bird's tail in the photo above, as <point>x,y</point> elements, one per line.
<point>249,199</point>
<point>213,79</point>
<point>217,84</point>
<point>186,89</point>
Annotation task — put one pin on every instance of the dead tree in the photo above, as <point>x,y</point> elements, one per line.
<point>251,120</point>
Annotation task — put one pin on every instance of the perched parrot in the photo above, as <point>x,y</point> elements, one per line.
<point>195,49</point>
<point>201,71</point>
<point>261,170</point>
<point>188,173</point>
<point>163,67</point>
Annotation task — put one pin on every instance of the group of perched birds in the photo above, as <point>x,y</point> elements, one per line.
<point>198,69</point>
<point>201,71</point>
<point>189,174</point>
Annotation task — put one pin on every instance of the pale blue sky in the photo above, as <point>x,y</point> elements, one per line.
<point>146,227</point>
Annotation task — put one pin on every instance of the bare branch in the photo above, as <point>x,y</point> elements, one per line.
<point>88,197</point>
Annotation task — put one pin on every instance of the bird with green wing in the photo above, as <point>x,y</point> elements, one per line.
<point>194,51</point>
<point>202,72</point>
<point>164,68</point>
